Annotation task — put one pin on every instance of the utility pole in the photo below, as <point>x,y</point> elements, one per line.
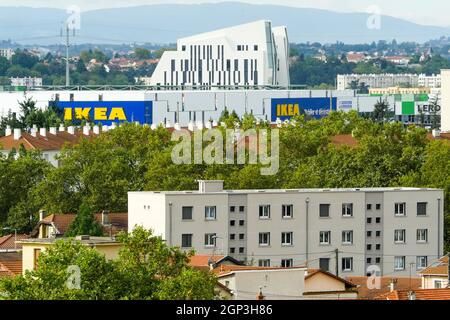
<point>67,45</point>
<point>336,251</point>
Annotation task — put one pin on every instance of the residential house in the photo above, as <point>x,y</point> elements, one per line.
<point>419,294</point>
<point>436,275</point>
<point>209,262</point>
<point>320,284</point>
<point>8,242</point>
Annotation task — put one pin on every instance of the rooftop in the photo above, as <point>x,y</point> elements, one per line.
<point>420,294</point>
<point>7,242</point>
<point>10,264</point>
<point>439,268</point>
<point>403,283</point>
<point>89,241</point>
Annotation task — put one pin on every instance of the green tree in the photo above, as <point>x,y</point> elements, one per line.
<point>381,111</point>
<point>84,223</point>
<point>142,53</point>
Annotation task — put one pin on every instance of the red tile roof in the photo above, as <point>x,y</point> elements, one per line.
<point>203,260</point>
<point>313,272</point>
<point>439,268</point>
<point>369,294</point>
<point>420,294</point>
<point>8,242</point>
<point>10,264</point>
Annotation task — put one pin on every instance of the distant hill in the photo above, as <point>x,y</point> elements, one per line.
<point>168,22</point>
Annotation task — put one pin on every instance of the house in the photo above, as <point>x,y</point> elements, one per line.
<point>419,294</point>
<point>355,57</point>
<point>366,291</point>
<point>436,275</point>
<point>8,242</point>
<point>320,284</point>
<point>56,225</point>
<point>32,248</point>
<point>208,262</point>
<point>10,264</point>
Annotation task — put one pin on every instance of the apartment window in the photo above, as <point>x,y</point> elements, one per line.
<point>232,236</point>
<point>378,246</point>
<point>347,237</point>
<point>422,262</point>
<point>369,260</point>
<point>264,212</point>
<point>287,263</point>
<point>241,208</point>
<point>369,247</point>
<point>183,48</point>
<point>369,220</point>
<point>241,222</point>
<point>377,260</point>
<point>324,264</point>
<point>232,208</point>
<point>437,284</point>
<point>241,250</point>
<point>378,206</point>
<point>186,240</point>
<point>186,213</point>
<point>241,236</point>
<point>400,209</point>
<point>255,47</point>
<point>422,208</point>
<point>239,48</point>
<point>287,211</point>
<point>264,238</point>
<point>264,262</point>
<point>369,206</point>
<point>422,235</point>
<point>347,264</point>
<point>210,239</point>
<point>400,236</point>
<point>232,250</point>
<point>378,233</point>
<point>399,263</point>
<point>210,213</point>
<point>378,220</point>
<point>347,210</point>
<point>287,239</point>
<point>232,223</point>
<point>369,234</point>
<point>324,210</point>
<point>325,237</point>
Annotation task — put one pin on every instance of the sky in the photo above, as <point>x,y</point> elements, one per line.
<point>430,12</point>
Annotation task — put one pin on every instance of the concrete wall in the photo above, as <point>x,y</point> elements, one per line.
<point>445,113</point>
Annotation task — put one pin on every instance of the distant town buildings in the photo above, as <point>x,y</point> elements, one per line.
<point>249,54</point>
<point>433,81</point>
<point>27,82</point>
<point>6,53</point>
<point>344,81</point>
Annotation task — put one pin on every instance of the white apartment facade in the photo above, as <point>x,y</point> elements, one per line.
<point>28,82</point>
<point>388,228</point>
<point>6,53</point>
<point>377,80</point>
<point>445,111</point>
<point>246,55</point>
<point>433,81</point>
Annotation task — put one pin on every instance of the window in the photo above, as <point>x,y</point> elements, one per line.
<point>183,48</point>
<point>232,250</point>
<point>232,236</point>
<point>422,262</point>
<point>210,213</point>
<point>36,254</point>
<point>347,210</point>
<point>241,222</point>
<point>232,208</point>
<point>287,263</point>
<point>210,239</point>
<point>377,260</point>
<point>241,250</point>
<point>186,240</point>
<point>399,263</point>
<point>422,235</point>
<point>324,264</point>
<point>325,237</point>
<point>369,234</point>
<point>232,223</point>
<point>241,236</point>
<point>264,212</point>
<point>239,48</point>
<point>369,260</point>
<point>347,264</point>
<point>378,246</point>
<point>324,210</point>
<point>437,284</point>
<point>347,237</point>
<point>369,247</point>
<point>421,208</point>
<point>400,209</point>
<point>241,208</point>
<point>400,236</point>
<point>378,233</point>
<point>369,206</point>
<point>378,206</point>
<point>186,213</point>
<point>369,220</point>
<point>287,239</point>
<point>287,211</point>
<point>264,238</point>
<point>255,47</point>
<point>378,220</point>
<point>264,262</point>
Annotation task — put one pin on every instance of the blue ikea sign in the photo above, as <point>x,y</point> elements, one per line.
<point>287,108</point>
<point>107,112</point>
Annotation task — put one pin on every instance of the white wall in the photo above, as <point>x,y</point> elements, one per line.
<point>445,112</point>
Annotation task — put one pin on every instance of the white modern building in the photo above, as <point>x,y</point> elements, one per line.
<point>341,230</point>
<point>445,91</point>
<point>377,80</point>
<point>249,54</point>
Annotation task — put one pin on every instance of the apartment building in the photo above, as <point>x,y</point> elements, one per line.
<point>377,80</point>
<point>433,81</point>
<point>344,231</point>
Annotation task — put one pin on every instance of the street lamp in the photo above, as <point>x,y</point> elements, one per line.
<point>15,236</point>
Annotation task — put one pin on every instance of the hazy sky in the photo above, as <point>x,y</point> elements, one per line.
<point>430,12</point>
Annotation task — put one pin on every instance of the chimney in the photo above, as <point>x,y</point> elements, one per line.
<point>62,128</point>
<point>43,132</point>
<point>436,133</point>
<point>53,130</point>
<point>33,132</point>
<point>260,295</point>
<point>96,129</point>
<point>71,130</point>
<point>105,217</point>
<point>411,295</point>
<point>8,131</point>
<point>86,129</point>
<point>177,126</point>
<point>210,186</point>
<point>392,284</point>
<point>17,134</point>
<point>42,214</point>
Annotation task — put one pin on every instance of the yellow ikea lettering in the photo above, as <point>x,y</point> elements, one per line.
<point>82,113</point>
<point>100,114</point>
<point>67,113</point>
<point>289,110</point>
<point>117,114</point>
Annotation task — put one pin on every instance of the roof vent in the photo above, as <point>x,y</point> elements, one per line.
<point>96,129</point>
<point>53,130</point>
<point>8,131</point>
<point>61,128</point>
<point>43,132</point>
<point>17,134</point>
<point>71,130</point>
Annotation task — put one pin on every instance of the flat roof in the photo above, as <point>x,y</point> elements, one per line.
<point>280,191</point>
<point>90,241</point>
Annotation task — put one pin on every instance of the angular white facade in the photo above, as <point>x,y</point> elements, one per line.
<point>445,112</point>
<point>249,54</point>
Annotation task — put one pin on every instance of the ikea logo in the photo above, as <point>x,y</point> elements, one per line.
<point>96,114</point>
<point>288,110</point>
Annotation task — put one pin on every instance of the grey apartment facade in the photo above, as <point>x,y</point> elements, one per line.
<point>391,231</point>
